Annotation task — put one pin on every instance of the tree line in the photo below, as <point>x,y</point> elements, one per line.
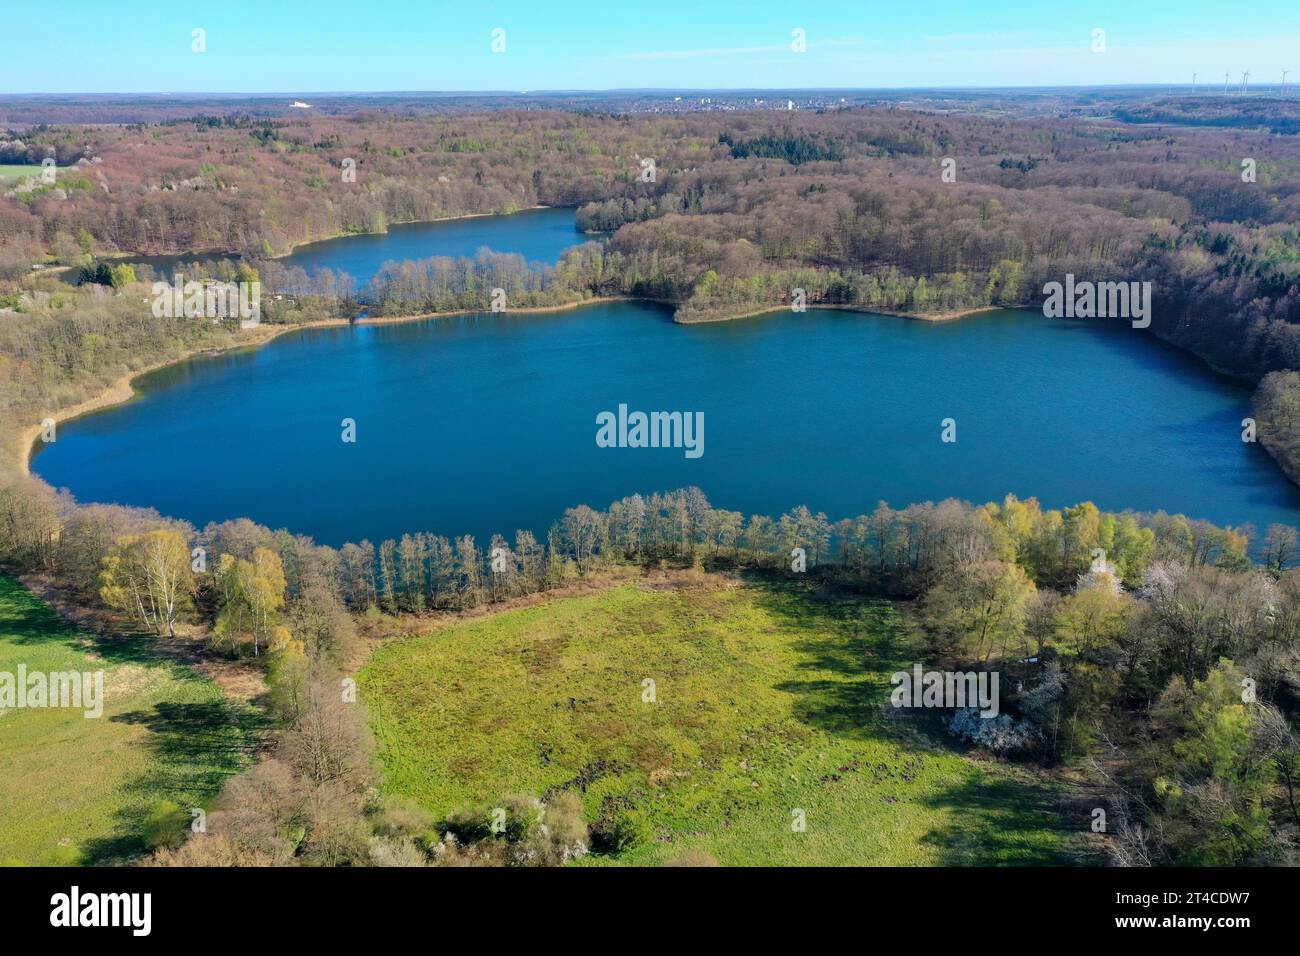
<point>1150,649</point>
<point>851,206</point>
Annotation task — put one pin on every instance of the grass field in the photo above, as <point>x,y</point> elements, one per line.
<point>19,172</point>
<point>768,701</point>
<point>73,789</point>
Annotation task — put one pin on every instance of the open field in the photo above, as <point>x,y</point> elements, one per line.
<point>74,789</point>
<point>19,171</point>
<point>768,700</point>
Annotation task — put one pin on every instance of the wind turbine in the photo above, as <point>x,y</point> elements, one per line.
<point>1284,73</point>
<point>1245,78</point>
<point>1225,84</point>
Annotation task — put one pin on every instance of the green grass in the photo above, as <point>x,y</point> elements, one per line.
<point>20,172</point>
<point>73,789</point>
<point>768,700</point>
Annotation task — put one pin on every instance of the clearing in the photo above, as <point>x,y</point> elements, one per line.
<point>769,699</point>
<point>75,789</point>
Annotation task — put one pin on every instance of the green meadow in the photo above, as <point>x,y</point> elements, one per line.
<point>770,706</point>
<point>19,171</point>
<point>75,789</point>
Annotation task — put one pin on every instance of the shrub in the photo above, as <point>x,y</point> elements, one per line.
<point>399,818</point>
<point>164,826</point>
<point>566,827</point>
<point>625,831</point>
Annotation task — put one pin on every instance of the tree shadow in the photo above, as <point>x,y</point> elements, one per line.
<point>1001,817</point>
<point>1004,822</point>
<point>859,642</point>
<point>194,748</point>
<point>26,619</point>
<point>29,619</point>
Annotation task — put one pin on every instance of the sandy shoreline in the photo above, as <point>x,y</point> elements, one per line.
<point>533,309</point>
<point>123,389</point>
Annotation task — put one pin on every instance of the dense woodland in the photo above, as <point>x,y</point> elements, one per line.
<point>1130,640</point>
<point>69,344</point>
<point>743,208</point>
<point>1130,636</point>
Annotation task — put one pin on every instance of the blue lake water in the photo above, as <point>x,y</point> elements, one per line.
<point>487,423</point>
<point>539,235</point>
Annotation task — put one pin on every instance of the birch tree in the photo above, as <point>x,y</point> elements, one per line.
<point>149,575</point>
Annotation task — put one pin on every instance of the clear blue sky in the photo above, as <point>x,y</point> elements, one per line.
<point>333,45</point>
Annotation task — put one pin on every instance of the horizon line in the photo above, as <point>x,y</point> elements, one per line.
<point>663,90</point>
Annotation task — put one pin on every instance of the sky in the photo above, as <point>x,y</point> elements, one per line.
<point>138,46</point>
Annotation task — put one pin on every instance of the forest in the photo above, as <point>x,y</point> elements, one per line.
<point>852,205</point>
<point>1152,655</point>
<point>1129,639</point>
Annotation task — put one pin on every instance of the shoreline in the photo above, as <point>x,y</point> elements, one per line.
<point>949,316</point>
<point>295,246</point>
<point>527,310</point>
<point>203,255</point>
<point>123,389</point>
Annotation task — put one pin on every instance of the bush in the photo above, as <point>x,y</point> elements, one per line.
<point>522,831</point>
<point>164,826</point>
<point>401,818</point>
<point>523,818</point>
<point>467,826</point>
<point>387,851</point>
<point>625,831</point>
<point>566,828</point>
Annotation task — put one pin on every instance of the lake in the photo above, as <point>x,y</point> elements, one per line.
<point>487,423</point>
<point>539,235</point>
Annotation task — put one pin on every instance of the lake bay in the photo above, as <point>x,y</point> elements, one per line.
<point>487,423</point>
